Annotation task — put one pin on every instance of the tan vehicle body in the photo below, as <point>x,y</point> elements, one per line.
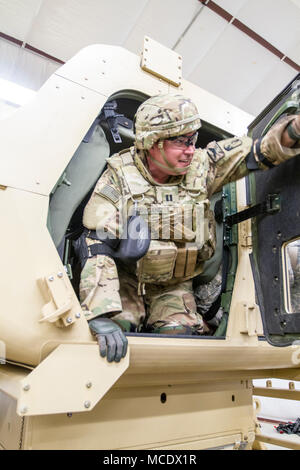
<point>56,392</point>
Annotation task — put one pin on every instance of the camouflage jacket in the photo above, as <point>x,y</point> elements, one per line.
<point>179,214</point>
<point>178,211</point>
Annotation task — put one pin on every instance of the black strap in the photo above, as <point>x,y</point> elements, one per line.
<point>100,249</point>
<point>270,206</point>
<point>111,242</point>
<point>218,210</point>
<point>213,310</point>
<point>261,156</point>
<point>244,215</point>
<point>83,251</point>
<point>129,249</point>
<point>251,161</point>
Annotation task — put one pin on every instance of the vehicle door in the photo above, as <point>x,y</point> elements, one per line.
<point>276,231</point>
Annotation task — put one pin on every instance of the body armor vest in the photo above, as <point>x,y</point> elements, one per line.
<point>181,224</point>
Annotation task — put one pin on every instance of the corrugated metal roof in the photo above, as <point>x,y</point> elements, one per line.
<point>216,54</point>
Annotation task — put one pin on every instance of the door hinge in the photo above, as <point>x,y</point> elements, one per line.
<point>59,300</point>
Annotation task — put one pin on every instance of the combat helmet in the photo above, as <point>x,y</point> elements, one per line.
<point>164,116</point>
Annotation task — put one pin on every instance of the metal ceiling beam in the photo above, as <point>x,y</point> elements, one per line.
<point>23,45</point>
<point>249,32</point>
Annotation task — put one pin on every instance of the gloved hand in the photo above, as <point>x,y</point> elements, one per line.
<point>112,341</point>
<point>276,144</point>
<point>291,133</point>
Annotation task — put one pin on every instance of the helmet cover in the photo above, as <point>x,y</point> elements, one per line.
<point>164,116</point>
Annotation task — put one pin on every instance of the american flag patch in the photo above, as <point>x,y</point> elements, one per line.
<point>110,193</point>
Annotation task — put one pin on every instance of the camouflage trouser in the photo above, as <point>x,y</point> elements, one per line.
<point>169,309</point>
<point>99,287</point>
<point>172,309</point>
<point>206,294</point>
<point>101,293</point>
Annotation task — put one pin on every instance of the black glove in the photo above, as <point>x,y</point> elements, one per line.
<point>112,341</point>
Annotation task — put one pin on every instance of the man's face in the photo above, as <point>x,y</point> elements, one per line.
<point>178,154</point>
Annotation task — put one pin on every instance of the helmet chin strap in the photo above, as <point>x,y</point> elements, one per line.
<point>168,166</point>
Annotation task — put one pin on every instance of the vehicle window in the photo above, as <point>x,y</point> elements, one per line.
<point>292,275</point>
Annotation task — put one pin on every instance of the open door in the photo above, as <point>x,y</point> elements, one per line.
<point>276,235</point>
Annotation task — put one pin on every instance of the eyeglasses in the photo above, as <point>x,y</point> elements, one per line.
<point>182,142</point>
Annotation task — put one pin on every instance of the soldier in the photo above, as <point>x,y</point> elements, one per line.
<point>164,179</point>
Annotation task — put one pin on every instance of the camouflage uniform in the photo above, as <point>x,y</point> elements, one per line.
<point>182,224</point>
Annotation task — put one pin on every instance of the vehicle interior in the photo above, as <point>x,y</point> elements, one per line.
<point>111,132</point>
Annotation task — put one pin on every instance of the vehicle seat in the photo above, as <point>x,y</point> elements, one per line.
<point>78,179</point>
<point>71,193</point>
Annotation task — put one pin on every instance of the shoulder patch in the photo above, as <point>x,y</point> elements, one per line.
<point>215,152</point>
<point>232,144</point>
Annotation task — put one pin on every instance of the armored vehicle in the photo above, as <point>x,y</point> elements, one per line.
<point>196,392</point>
